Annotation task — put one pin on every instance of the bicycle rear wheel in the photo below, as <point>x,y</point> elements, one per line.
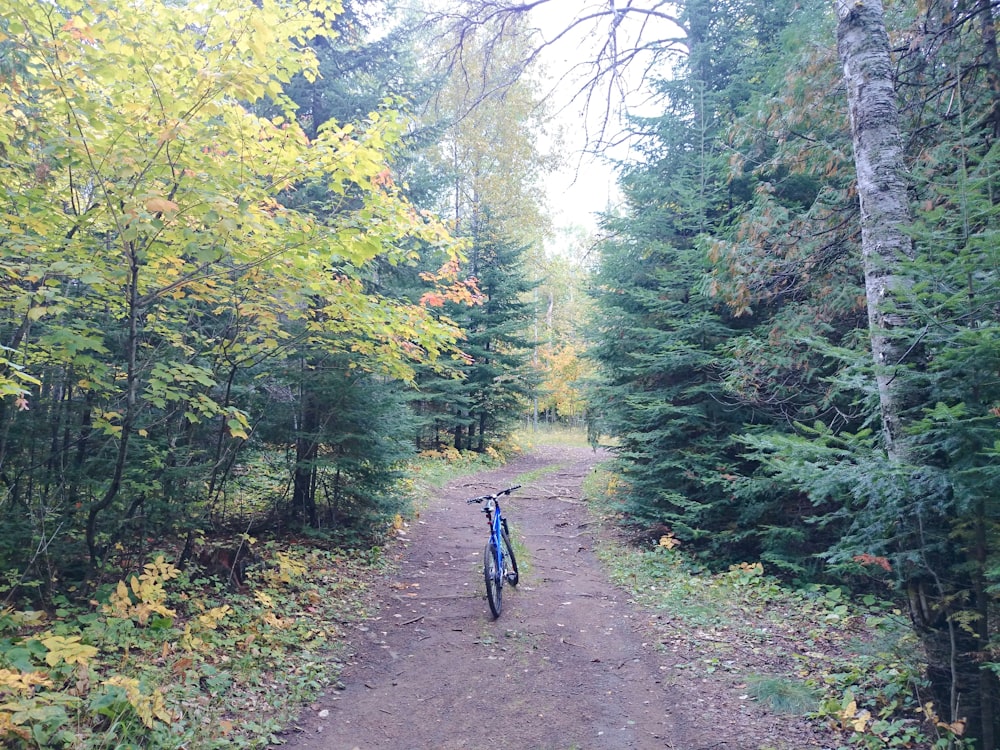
<point>494,579</point>
<point>510,562</point>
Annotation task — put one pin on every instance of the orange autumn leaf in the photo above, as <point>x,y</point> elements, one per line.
<point>432,299</point>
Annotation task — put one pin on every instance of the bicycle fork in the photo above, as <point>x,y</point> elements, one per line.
<point>501,574</point>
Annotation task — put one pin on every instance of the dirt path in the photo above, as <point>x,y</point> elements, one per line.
<point>569,664</point>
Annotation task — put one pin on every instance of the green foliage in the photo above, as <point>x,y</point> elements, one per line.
<point>932,524</point>
<point>475,404</point>
<point>161,282</point>
<point>656,344</point>
<point>658,332</point>
<point>493,194</point>
<point>735,352</point>
<point>851,663</point>
<point>782,695</point>
<point>352,435</point>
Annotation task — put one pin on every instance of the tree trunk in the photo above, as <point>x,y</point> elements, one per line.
<point>984,9</point>
<point>981,603</point>
<point>863,46</point>
<point>304,482</point>
<point>306,452</point>
<point>131,396</point>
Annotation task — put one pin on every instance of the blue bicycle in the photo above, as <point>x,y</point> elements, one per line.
<point>499,563</point>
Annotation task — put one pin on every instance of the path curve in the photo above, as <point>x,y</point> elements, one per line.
<point>569,663</point>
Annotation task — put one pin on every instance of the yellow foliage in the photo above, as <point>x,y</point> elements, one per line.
<point>26,618</point>
<point>189,641</point>
<point>562,370</point>
<point>148,707</point>
<point>144,595</point>
<point>614,485</point>
<point>264,599</point>
<point>69,650</point>
<point>288,568</point>
<point>214,616</point>
<point>669,541</point>
<point>22,682</point>
<point>851,718</point>
<point>8,727</point>
<point>451,454</point>
<point>280,623</point>
<point>957,727</point>
<point>861,720</point>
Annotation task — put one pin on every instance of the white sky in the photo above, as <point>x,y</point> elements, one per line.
<point>579,191</point>
<point>587,184</point>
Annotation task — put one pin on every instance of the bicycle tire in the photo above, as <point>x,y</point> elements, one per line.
<point>494,581</point>
<point>511,562</point>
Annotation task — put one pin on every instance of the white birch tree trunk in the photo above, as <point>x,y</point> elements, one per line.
<point>863,46</point>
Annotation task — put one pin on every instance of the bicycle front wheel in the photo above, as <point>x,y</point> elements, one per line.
<point>494,579</point>
<point>509,561</point>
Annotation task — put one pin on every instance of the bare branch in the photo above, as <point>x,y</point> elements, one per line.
<point>630,44</point>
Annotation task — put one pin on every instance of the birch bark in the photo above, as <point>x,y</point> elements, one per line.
<point>863,47</point>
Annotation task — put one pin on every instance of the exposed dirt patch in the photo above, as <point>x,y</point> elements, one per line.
<point>571,662</point>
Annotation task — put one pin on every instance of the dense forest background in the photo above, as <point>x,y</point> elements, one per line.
<point>254,257</point>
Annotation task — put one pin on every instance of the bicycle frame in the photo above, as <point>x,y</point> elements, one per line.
<point>497,525</point>
<point>500,564</point>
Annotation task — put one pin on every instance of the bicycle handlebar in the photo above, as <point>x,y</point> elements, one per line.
<point>494,496</point>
